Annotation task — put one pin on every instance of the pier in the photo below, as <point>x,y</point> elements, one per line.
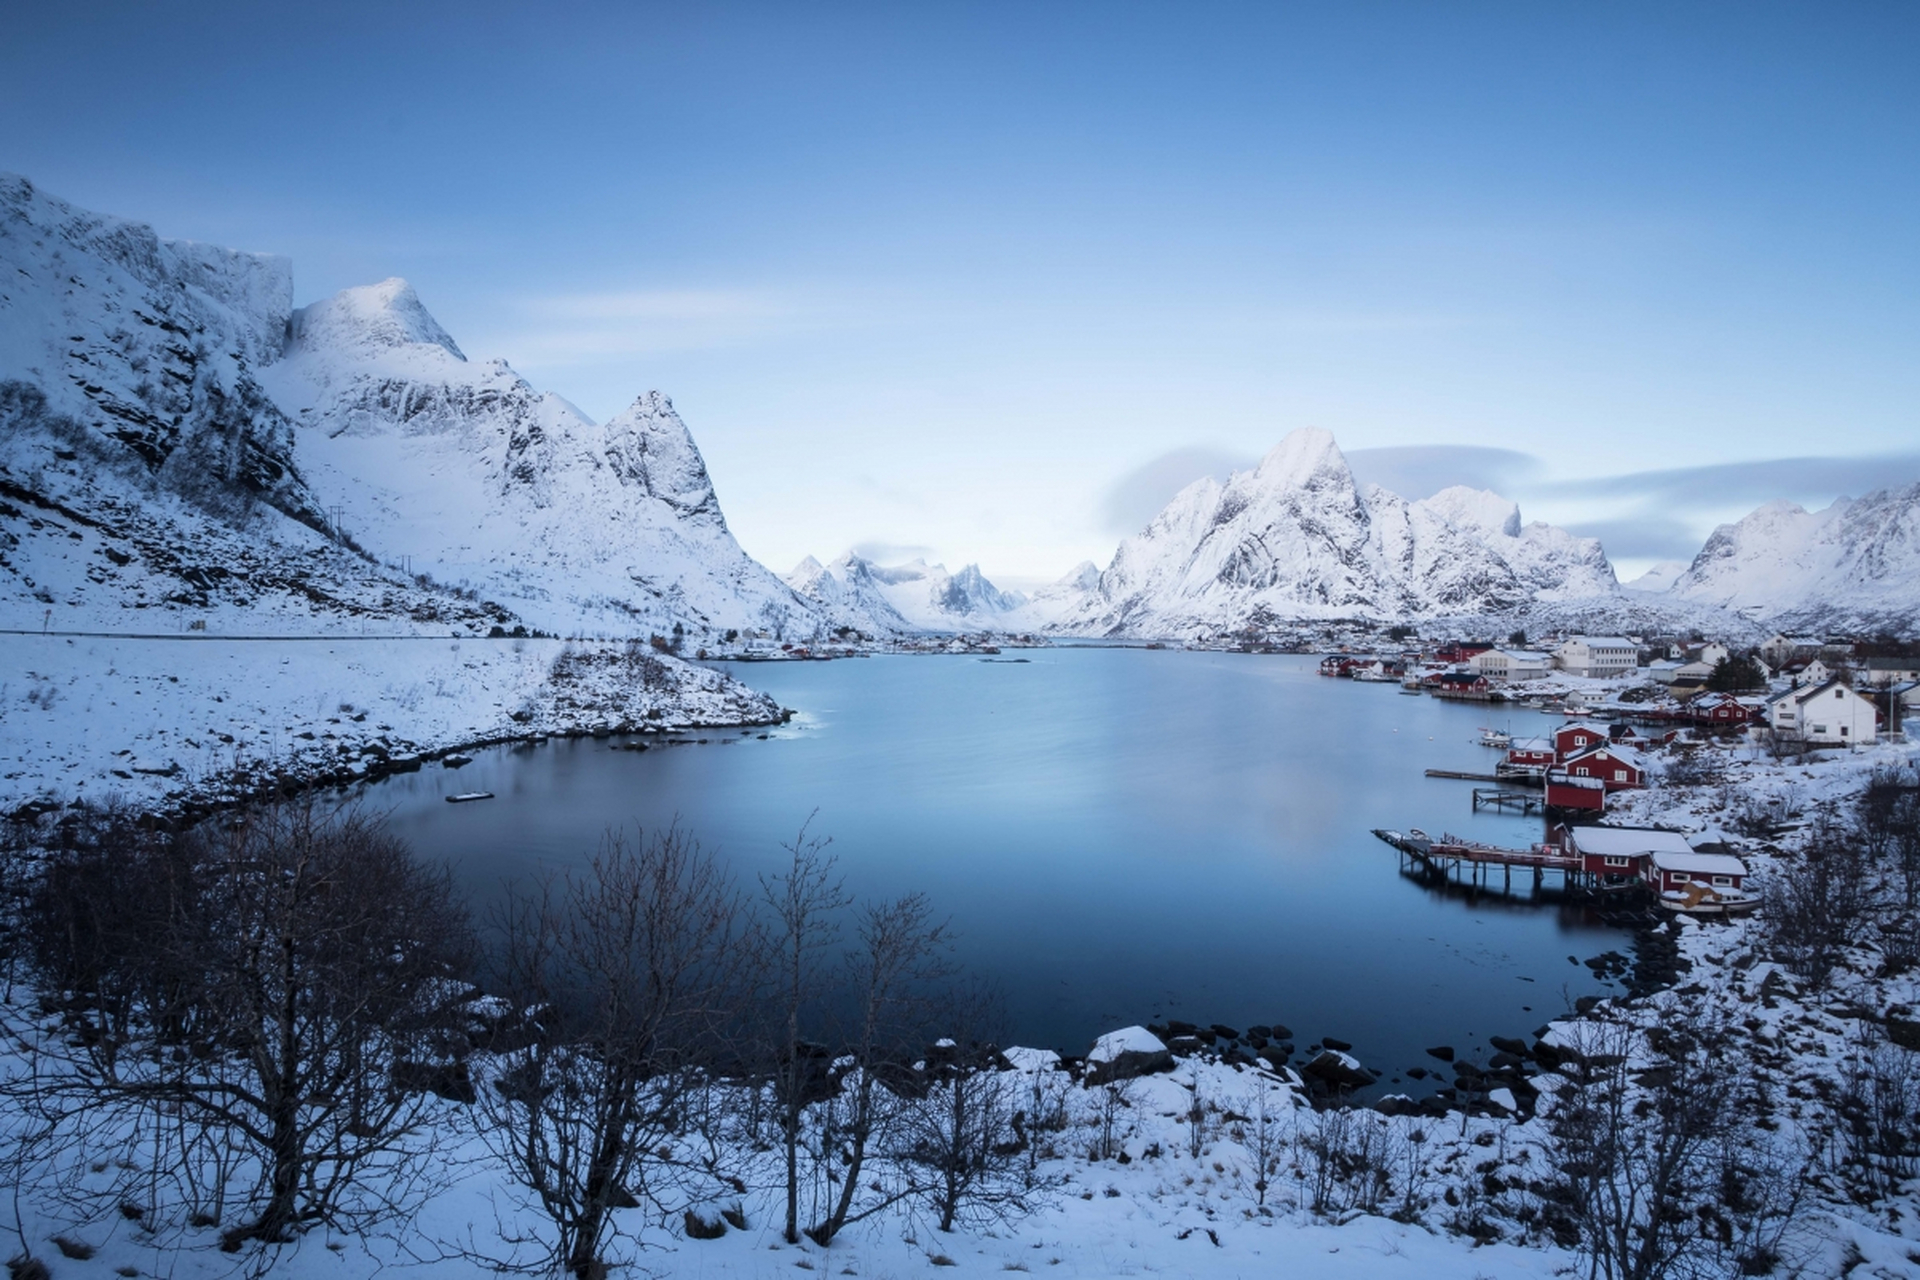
<point>1452,858</point>
<point>1501,800</point>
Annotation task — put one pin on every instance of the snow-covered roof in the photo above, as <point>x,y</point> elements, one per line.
<point>1626,755</point>
<point>1604,642</point>
<point>1616,842</point>
<point>1712,864</point>
<point>1530,744</point>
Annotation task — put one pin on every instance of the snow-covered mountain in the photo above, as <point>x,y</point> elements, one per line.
<point>1296,539</point>
<point>1853,567</point>
<point>176,439</point>
<point>915,596</point>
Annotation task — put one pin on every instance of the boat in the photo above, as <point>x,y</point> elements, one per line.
<point>466,797</point>
<point>456,761</point>
<point>1699,900</point>
<point>1496,738</point>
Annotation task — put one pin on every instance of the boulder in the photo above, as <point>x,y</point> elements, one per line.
<point>1443,1052</point>
<point>1125,1054</point>
<point>1338,1069</point>
<point>1332,1042</point>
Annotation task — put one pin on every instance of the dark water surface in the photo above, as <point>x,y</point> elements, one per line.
<point>1118,835</point>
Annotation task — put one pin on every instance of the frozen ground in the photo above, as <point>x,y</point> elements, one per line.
<point>160,723</point>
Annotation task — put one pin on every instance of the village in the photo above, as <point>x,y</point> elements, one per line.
<point>1624,699</point>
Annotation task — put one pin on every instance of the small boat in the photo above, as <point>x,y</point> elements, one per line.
<point>1496,738</point>
<point>456,761</point>
<point>465,797</point>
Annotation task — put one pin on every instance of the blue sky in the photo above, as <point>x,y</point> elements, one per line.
<point>958,279</point>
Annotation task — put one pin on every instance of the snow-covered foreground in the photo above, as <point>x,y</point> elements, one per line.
<point>161,723</point>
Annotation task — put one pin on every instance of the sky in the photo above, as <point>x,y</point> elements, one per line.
<point>990,282</point>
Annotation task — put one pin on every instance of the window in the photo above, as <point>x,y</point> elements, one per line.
<point>1722,881</point>
<point>1619,775</point>
<point>1616,860</point>
<point>1819,728</point>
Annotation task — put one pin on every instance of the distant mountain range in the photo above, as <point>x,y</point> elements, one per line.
<point>178,444</point>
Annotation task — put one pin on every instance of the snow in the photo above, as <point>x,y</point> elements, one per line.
<point>160,723</point>
<point>212,454</point>
<point>1297,539</point>
<point>1126,1040</point>
<point>1853,567</point>
<point>890,600</point>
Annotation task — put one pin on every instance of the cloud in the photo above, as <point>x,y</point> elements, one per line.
<point>1131,502</point>
<point>1650,537</point>
<point>1750,483</point>
<point>881,552</point>
<point>1422,470</point>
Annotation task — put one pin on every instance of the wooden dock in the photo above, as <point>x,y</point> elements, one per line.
<point>1450,857</point>
<point>1503,801</point>
<point>1464,776</point>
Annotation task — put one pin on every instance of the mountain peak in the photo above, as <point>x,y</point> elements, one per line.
<point>1307,458</point>
<point>372,317</point>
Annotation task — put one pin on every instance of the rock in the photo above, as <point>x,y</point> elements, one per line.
<point>1276,1058</point>
<point>1504,1061</point>
<point>1278,1032</point>
<point>1443,1052</point>
<point>1507,1044</point>
<point>1333,1043</point>
<point>705,1222</point>
<point>1904,1032</point>
<point>1418,1073</point>
<point>1225,1032</point>
<point>1176,1027</point>
<point>1263,1032</point>
<point>1125,1054</point>
<point>1338,1069</point>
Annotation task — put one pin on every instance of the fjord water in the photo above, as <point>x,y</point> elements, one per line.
<point>1117,835</point>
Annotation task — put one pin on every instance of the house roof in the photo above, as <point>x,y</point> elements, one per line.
<point>1588,725</point>
<point>1605,642</point>
<point>1626,841</point>
<point>1713,864</point>
<point>1530,744</point>
<point>1626,755</point>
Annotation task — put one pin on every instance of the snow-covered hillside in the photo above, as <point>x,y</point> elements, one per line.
<point>511,492</point>
<point>884,599</point>
<point>1297,538</point>
<point>1853,567</point>
<point>178,446</point>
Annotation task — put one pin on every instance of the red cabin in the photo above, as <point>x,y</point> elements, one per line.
<point>1530,753</point>
<point>1617,768</point>
<point>1722,711</point>
<point>1567,792</point>
<point>1571,739</point>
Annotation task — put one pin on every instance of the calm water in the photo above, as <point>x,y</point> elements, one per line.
<point>1118,836</point>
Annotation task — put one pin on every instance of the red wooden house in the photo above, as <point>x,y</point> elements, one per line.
<point>1571,739</point>
<point>1721,711</point>
<point>1587,795</point>
<point>1530,753</point>
<point>1617,767</point>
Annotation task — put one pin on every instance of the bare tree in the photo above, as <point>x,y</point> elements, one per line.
<point>633,975</point>
<point>267,982</point>
<point>901,952</point>
<point>801,904</point>
<point>969,1156</point>
<point>1815,905</point>
<point>1655,1173</point>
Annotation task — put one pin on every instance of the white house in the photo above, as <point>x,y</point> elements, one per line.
<point>1510,664</point>
<point>1597,656</point>
<point>1713,653</point>
<point>1882,672</point>
<point>1828,715</point>
<point>1782,649</point>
